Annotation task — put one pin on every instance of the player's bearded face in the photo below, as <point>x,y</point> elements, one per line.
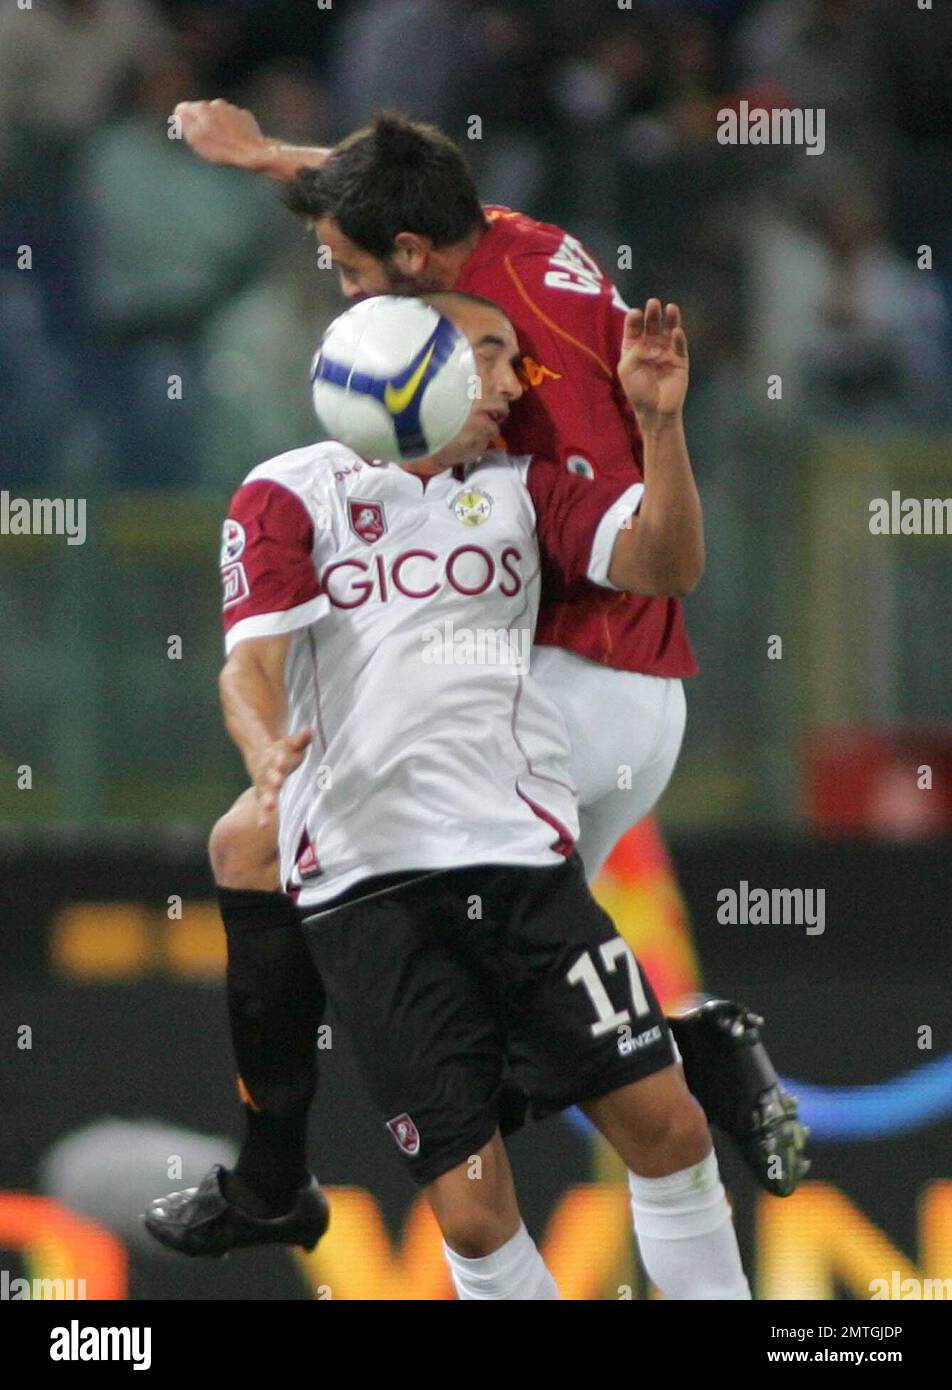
<point>362,274</point>
<point>400,283</point>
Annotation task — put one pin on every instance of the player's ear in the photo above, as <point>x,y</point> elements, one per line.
<point>411,251</point>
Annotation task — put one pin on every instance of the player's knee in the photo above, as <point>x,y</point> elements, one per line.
<point>238,856</point>
<point>474,1230</point>
<point>682,1137</point>
<point>223,852</point>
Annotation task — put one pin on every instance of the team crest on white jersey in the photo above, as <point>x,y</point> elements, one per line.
<point>232,541</point>
<point>406,1134</point>
<point>472,506</point>
<point>368,520</point>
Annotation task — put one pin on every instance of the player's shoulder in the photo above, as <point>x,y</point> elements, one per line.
<point>524,235</point>
<point>499,464</point>
<point>306,471</point>
<point>540,260</point>
<point>505,475</point>
<point>536,476</point>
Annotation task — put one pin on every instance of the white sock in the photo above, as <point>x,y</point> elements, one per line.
<point>515,1271</point>
<point>686,1235</point>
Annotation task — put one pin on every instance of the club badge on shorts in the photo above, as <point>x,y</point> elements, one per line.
<point>406,1134</point>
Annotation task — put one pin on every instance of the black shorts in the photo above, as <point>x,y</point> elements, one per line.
<point>443,978</point>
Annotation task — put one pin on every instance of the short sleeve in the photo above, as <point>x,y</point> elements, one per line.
<point>578,520</point>
<point>570,320</point>
<point>270,584</point>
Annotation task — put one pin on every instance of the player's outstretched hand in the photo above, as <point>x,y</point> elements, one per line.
<point>223,134</point>
<point>653,367</point>
<point>280,759</point>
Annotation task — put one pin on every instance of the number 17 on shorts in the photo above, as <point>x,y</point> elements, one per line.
<point>614,955</point>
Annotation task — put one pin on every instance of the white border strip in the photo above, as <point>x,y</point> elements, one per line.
<point>277,624</point>
<point>611,523</point>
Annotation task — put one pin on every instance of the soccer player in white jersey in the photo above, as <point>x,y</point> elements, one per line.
<point>412,790</point>
<point>400,213</point>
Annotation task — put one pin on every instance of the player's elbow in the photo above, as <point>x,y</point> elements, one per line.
<point>226,677</point>
<point>672,586</point>
<point>229,682</point>
<point>686,578</point>
<point>676,572</point>
<point>663,578</point>
<point>658,562</point>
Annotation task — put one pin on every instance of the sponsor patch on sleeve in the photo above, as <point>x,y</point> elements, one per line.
<point>234,583</point>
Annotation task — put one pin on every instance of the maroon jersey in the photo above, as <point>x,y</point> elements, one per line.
<point>569,320</point>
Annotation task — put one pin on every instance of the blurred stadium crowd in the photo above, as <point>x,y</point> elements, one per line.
<point>161,314</point>
<point>146,263</point>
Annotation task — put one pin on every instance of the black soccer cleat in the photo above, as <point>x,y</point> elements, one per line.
<point>202,1221</point>
<point>729,1072</point>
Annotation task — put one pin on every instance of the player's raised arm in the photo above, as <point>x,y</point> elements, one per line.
<point>254,703</point>
<point>224,134</point>
<point>661,550</point>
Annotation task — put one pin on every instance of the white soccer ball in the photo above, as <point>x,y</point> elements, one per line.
<point>393,379</point>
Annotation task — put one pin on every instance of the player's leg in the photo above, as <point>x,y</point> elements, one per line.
<point>428,1041</point>
<point>489,1251</point>
<point>475,1202</point>
<point>275,1005</point>
<point>588,1030</point>
<point>625,732</point>
<point>606,818</point>
<point>621,766</point>
<point>682,1221</point>
<point>244,854</point>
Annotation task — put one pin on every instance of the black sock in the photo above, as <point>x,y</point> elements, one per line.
<point>275,1005</point>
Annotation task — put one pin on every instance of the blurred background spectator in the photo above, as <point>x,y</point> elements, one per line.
<point>163,247</point>
<point>822,54</point>
<point>856,332</point>
<point>60,65</point>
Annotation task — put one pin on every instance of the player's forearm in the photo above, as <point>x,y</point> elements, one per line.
<point>254,705</point>
<point>281,162</point>
<point>663,551</point>
<point>221,133</point>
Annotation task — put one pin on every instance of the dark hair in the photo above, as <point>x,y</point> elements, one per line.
<point>395,175</point>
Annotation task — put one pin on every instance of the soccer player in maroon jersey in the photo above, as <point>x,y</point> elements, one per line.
<point>399,212</point>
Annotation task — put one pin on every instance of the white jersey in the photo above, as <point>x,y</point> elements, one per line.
<point>412,604</point>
